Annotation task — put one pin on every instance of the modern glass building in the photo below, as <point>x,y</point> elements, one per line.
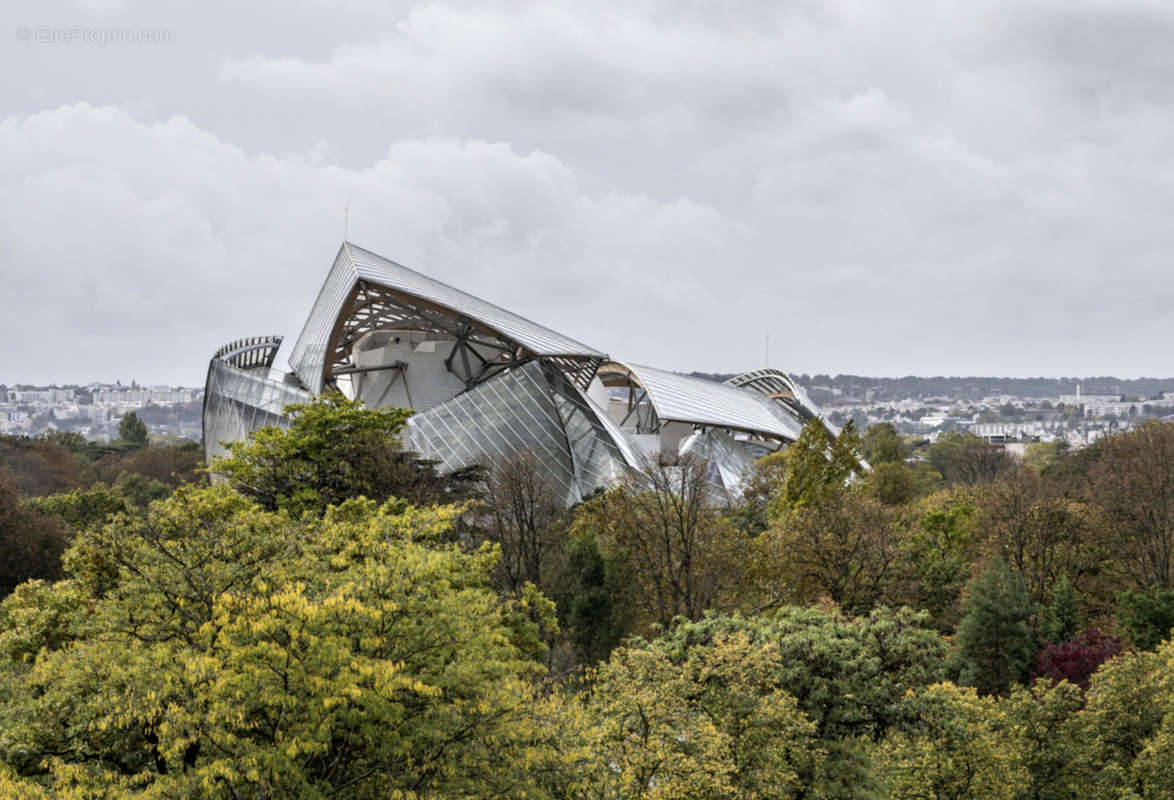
<point>485,383</point>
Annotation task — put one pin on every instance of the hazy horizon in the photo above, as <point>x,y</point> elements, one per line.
<point>834,376</point>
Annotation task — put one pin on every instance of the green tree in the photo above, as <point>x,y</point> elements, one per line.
<point>132,431</point>
<point>818,466</point>
<point>1041,456</point>
<point>1146,618</point>
<point>1132,481</point>
<point>94,506</point>
<point>850,679</point>
<point>996,644</point>
<point>850,675</point>
<point>1126,705</point>
<point>897,483</point>
<point>1150,772</point>
<point>31,542</point>
<point>759,492</point>
<point>1061,621</point>
<point>1038,532</point>
<point>593,594</point>
<point>211,648</point>
<point>939,549</point>
<point>682,553</point>
<point>1048,742</point>
<point>846,548</point>
<point>963,458</point>
<point>333,450</point>
<point>881,444</point>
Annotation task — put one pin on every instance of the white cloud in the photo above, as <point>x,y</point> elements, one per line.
<point>147,245</point>
<point>886,188</point>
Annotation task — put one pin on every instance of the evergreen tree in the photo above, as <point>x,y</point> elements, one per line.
<point>818,467</point>
<point>881,444</point>
<point>996,645</point>
<point>591,604</point>
<point>132,430</point>
<point>1062,620</point>
<point>1147,618</point>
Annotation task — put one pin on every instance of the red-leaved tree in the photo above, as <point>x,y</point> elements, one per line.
<point>1076,660</point>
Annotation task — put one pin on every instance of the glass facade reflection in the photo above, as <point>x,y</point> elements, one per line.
<point>239,401</point>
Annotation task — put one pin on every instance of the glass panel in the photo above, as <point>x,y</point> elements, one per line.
<point>507,415</point>
<point>238,402</point>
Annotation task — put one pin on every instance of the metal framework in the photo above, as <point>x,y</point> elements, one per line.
<point>777,385</point>
<point>371,307</point>
<point>256,352</point>
<point>365,292</point>
<point>243,394</point>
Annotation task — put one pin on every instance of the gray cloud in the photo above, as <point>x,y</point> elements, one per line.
<point>884,190</point>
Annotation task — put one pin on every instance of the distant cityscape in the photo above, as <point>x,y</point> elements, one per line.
<point>1078,411</point>
<point>94,410</point>
<point>1003,410</point>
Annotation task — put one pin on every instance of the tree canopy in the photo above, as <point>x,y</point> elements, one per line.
<point>323,623</point>
<point>335,449</point>
<point>132,430</point>
<point>214,647</point>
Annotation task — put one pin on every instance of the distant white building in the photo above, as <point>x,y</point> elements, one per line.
<point>40,397</point>
<point>137,398</point>
<point>1012,430</point>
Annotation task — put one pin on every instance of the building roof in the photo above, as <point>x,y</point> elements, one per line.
<point>355,264</point>
<point>778,385</point>
<point>683,398</point>
<point>788,394</point>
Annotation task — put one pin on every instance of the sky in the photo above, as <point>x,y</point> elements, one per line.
<point>946,188</point>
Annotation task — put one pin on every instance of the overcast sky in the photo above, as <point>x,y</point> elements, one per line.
<point>883,188</point>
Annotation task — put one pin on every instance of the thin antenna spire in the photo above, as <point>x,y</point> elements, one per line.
<point>346,222</point>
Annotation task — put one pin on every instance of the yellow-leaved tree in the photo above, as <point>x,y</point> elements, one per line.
<point>214,649</point>
<point>966,748</point>
<point>705,722</point>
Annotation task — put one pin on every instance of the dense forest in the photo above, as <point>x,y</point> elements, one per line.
<point>332,618</point>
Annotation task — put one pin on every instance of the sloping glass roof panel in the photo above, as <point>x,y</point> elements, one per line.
<point>238,402</point>
<point>687,399</point>
<point>768,380</point>
<point>509,414</point>
<point>354,264</point>
<point>308,358</point>
<point>534,337</point>
<point>603,454</point>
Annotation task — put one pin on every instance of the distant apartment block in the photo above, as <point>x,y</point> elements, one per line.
<point>41,397</point>
<point>139,397</point>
